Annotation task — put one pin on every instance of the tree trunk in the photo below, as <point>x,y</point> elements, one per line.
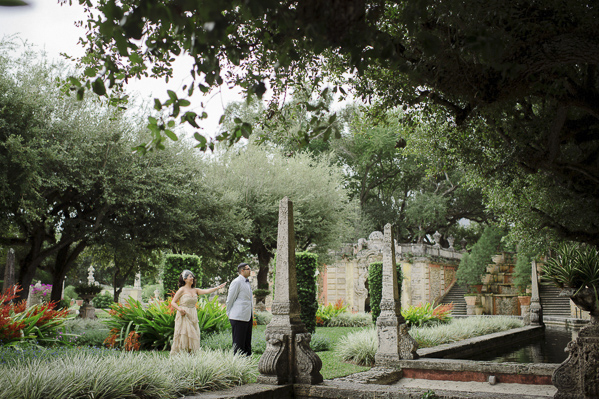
<point>65,258</point>
<point>28,265</point>
<point>264,257</point>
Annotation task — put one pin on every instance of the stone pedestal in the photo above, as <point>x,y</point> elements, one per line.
<point>536,311</point>
<point>87,310</point>
<point>395,342</point>
<point>288,357</point>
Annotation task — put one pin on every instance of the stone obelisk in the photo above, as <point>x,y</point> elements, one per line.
<point>9,271</point>
<point>536,311</point>
<point>288,358</point>
<point>394,341</point>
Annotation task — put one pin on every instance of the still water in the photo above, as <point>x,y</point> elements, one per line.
<point>545,349</point>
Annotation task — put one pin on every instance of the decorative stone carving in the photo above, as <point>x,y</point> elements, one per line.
<point>90,275</point>
<point>288,357</point>
<point>375,240</point>
<point>437,238</point>
<point>9,270</point>
<point>359,283</point>
<point>536,312</point>
<point>394,341</point>
<point>137,282</point>
<point>451,240</point>
<point>578,376</point>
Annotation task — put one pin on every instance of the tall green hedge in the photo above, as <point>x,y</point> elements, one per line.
<point>375,286</point>
<point>307,263</point>
<point>174,265</point>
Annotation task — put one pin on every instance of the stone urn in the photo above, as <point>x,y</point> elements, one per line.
<point>471,301</point>
<point>524,300</point>
<point>578,376</point>
<point>87,310</point>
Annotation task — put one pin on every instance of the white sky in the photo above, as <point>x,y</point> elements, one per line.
<point>52,27</point>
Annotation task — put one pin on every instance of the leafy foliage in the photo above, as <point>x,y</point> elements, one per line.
<point>523,269</point>
<point>473,265</point>
<point>117,374</point>
<point>307,265</point>
<point>326,313</point>
<point>156,324</point>
<point>175,264</point>
<point>38,324</point>
<point>102,301</point>
<point>427,315</point>
<point>257,178</point>
<point>375,286</point>
<point>575,266</point>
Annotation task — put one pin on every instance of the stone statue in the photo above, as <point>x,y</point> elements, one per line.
<point>90,275</point>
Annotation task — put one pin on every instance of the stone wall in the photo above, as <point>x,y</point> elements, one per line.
<point>428,271</point>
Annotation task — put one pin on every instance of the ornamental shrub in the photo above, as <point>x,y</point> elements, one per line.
<point>427,315</point>
<point>325,314</point>
<point>375,286</point>
<point>307,263</point>
<point>156,324</point>
<point>103,301</point>
<point>523,269</point>
<point>174,264</point>
<point>473,266</point>
<point>20,324</point>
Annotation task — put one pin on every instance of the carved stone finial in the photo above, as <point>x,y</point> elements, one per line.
<point>288,357</point>
<point>437,238</point>
<point>451,240</point>
<point>394,341</point>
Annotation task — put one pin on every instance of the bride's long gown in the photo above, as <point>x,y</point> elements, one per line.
<point>187,329</point>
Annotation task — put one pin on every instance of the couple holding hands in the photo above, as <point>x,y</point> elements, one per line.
<point>239,311</point>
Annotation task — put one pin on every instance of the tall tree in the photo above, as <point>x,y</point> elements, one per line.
<point>258,179</point>
<point>517,77</point>
<point>69,179</point>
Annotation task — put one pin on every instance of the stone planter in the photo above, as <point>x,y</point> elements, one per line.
<point>478,310</point>
<point>578,376</point>
<point>524,300</point>
<point>471,301</point>
<point>87,310</point>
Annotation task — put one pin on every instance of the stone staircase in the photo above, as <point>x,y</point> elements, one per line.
<point>552,304</point>
<point>456,295</point>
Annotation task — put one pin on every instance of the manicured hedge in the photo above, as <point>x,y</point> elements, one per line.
<point>375,286</point>
<point>307,263</point>
<point>173,266</point>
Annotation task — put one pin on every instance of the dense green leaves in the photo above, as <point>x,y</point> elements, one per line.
<point>474,265</point>
<point>173,267</point>
<point>307,265</point>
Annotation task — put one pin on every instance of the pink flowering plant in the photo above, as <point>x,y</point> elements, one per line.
<point>42,291</point>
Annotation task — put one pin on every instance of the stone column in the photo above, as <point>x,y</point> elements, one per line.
<point>536,312</point>
<point>9,270</point>
<point>394,341</point>
<point>288,357</point>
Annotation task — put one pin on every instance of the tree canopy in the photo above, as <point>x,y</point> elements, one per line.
<point>514,82</point>
<point>257,178</point>
<point>70,180</point>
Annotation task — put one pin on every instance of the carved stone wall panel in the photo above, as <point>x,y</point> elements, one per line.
<point>436,287</point>
<point>449,275</point>
<point>506,305</point>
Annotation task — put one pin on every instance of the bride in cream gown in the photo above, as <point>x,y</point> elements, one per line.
<point>187,329</point>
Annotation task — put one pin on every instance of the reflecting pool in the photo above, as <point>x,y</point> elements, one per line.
<point>546,349</point>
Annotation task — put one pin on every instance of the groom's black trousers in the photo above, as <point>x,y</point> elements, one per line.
<point>242,336</point>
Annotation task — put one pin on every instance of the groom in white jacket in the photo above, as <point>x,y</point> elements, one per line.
<point>239,310</point>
